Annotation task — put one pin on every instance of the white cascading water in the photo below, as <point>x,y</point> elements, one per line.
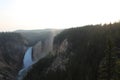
<point>27,62</point>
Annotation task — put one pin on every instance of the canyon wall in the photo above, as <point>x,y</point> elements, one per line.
<point>42,48</point>
<point>12,49</point>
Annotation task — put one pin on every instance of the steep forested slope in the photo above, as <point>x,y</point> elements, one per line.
<point>12,49</point>
<point>79,54</point>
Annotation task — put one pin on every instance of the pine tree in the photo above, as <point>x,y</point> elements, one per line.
<point>107,66</point>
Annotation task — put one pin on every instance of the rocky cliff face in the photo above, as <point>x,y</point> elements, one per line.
<point>37,51</point>
<point>61,60</point>
<point>12,49</point>
<point>42,48</point>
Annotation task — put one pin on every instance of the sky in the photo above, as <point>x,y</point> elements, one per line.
<point>58,14</point>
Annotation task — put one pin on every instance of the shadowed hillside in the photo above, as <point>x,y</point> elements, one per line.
<point>12,49</point>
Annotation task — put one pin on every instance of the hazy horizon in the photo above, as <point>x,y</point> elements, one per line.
<point>53,14</point>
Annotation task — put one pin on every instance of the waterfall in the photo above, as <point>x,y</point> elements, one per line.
<point>27,62</point>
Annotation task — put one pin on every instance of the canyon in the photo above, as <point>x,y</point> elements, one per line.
<point>81,53</point>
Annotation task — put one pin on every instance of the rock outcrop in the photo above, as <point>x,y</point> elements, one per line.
<point>42,48</point>
<point>37,51</point>
<point>61,60</point>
